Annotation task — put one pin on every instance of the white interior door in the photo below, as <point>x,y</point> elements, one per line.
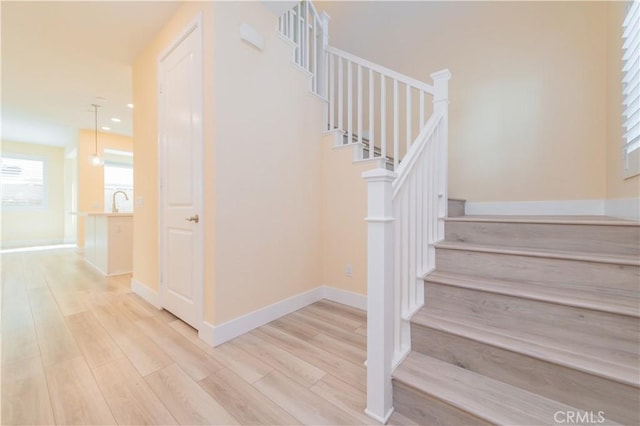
<point>180,132</point>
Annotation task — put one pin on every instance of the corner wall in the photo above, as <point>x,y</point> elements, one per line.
<point>267,168</point>
<point>344,208</point>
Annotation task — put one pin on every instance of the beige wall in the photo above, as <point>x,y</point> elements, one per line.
<point>617,186</point>
<point>344,207</point>
<point>37,226</point>
<point>91,178</point>
<point>262,164</point>
<point>528,93</point>
<point>267,166</point>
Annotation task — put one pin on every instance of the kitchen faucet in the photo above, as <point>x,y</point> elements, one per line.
<point>114,206</point>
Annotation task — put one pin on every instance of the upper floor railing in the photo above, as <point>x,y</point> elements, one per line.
<point>374,105</point>
<point>308,30</point>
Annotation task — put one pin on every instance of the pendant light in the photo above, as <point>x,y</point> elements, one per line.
<point>95,159</point>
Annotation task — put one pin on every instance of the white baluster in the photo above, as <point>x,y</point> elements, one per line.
<point>404,261</point>
<point>349,103</point>
<point>314,57</point>
<point>422,117</point>
<point>305,35</point>
<point>408,112</point>
<point>372,144</point>
<point>396,127</point>
<point>324,25</point>
<point>411,253</point>
<point>340,96</point>
<point>332,91</point>
<point>383,117</point>
<point>292,23</point>
<point>299,39</point>
<point>359,76</point>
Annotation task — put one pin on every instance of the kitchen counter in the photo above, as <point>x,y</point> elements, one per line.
<point>109,242</point>
<point>101,213</point>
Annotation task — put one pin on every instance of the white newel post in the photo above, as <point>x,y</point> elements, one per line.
<point>380,303</point>
<point>441,104</point>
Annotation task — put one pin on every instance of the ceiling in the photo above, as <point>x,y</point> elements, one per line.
<point>58,58</point>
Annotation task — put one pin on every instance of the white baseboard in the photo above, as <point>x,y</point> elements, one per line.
<point>349,298</point>
<point>237,326</point>
<point>624,208</point>
<point>146,293</point>
<point>218,334</point>
<point>537,208</point>
<point>207,332</point>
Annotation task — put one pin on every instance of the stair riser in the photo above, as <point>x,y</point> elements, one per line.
<point>601,239</point>
<point>554,272</point>
<point>569,386</point>
<point>589,329</point>
<point>426,410</point>
<point>455,208</point>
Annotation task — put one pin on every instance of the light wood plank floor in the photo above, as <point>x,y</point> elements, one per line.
<point>78,348</point>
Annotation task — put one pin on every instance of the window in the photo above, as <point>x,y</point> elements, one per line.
<point>118,177</point>
<point>23,182</point>
<point>631,89</point>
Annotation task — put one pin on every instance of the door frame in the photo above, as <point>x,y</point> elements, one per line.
<point>193,26</point>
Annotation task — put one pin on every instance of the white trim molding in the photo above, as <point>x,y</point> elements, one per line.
<point>535,208</point>
<point>624,208</point>
<point>345,297</point>
<point>151,296</point>
<point>218,334</point>
<point>245,323</point>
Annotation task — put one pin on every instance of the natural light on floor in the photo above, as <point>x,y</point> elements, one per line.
<point>37,248</point>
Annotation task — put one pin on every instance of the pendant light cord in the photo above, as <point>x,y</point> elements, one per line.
<point>95,108</point>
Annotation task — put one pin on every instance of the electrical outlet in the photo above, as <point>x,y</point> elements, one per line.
<point>348,270</point>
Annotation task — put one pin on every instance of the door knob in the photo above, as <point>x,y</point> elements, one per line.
<point>193,218</point>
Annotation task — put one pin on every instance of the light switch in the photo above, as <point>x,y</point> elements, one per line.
<point>139,201</point>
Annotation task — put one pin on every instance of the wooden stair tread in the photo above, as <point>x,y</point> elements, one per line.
<point>597,299</point>
<point>481,396</point>
<point>529,345</point>
<point>560,220</point>
<point>536,252</point>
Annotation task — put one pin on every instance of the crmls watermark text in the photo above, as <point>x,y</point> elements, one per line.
<point>578,417</point>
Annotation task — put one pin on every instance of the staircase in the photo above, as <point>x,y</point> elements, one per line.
<point>527,320</point>
<point>523,321</point>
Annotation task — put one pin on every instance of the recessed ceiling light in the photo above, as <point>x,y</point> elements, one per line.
<point>106,128</point>
<point>130,106</point>
<point>115,119</point>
